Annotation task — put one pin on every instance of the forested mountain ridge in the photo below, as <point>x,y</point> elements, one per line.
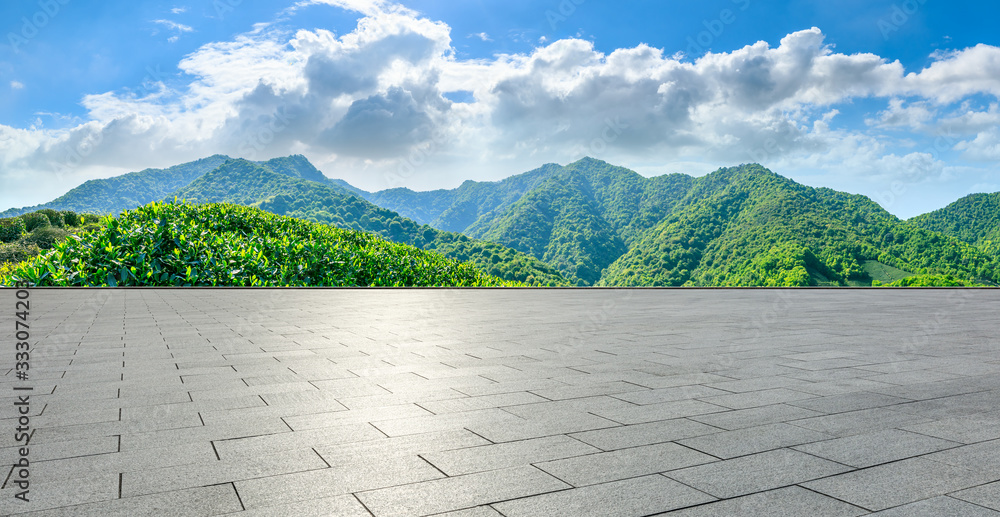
<point>592,223</point>
<point>748,226</point>
<point>974,219</point>
<point>458,209</point>
<point>254,184</point>
<point>112,195</point>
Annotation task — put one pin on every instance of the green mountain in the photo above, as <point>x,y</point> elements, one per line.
<point>257,184</point>
<point>974,219</point>
<point>112,195</point>
<point>458,209</point>
<point>179,244</point>
<point>607,225</point>
<point>748,226</point>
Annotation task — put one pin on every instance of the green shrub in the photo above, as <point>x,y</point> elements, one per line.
<point>11,229</point>
<point>35,220</point>
<point>221,244</point>
<point>71,218</point>
<point>14,253</point>
<point>45,238</point>
<point>55,217</point>
<point>89,218</point>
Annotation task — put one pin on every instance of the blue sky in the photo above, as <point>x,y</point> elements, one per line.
<point>892,99</point>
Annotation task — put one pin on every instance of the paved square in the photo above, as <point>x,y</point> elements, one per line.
<point>479,403</point>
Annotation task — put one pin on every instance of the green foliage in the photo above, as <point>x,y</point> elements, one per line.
<point>46,237</point>
<point>883,274</point>
<point>17,252</point>
<point>221,244</point>
<point>974,219</point>
<point>247,183</point>
<point>71,218</point>
<point>55,217</point>
<point>12,228</point>
<point>928,281</point>
<point>35,220</point>
<point>732,222</point>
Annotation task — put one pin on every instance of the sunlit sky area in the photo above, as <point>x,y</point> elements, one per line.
<point>897,100</point>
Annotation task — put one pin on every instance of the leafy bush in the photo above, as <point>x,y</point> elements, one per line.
<point>221,244</point>
<point>929,281</point>
<point>71,218</point>
<point>35,220</point>
<point>90,218</point>
<point>55,217</point>
<point>45,238</point>
<point>11,229</point>
<point>14,253</point>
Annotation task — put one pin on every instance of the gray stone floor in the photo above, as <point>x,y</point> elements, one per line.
<point>479,403</point>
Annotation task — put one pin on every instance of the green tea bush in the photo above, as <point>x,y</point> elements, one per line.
<point>45,238</point>
<point>55,217</point>
<point>35,220</point>
<point>219,244</point>
<point>14,253</point>
<point>71,218</point>
<point>11,229</point>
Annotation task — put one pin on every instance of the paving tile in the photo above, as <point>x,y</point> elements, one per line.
<point>987,495</point>
<point>510,454</point>
<point>792,501</point>
<point>964,429</point>
<point>757,416</point>
<point>895,484</point>
<point>860,422</point>
<point>941,506</point>
<point>195,502</point>
<point>459,492</point>
<point>278,380</point>
<point>661,411</point>
<point>649,433</point>
<point>730,444</point>
<point>623,463</point>
<point>869,449</point>
<point>339,506</point>
<point>755,473</point>
<point>635,497</point>
<point>346,479</point>
<point>757,398</point>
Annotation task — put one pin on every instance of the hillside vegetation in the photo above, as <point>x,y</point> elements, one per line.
<point>974,219</point>
<point>258,184</point>
<point>215,244</point>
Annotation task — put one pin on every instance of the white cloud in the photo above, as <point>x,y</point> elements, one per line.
<point>16,85</point>
<point>369,106</point>
<point>482,35</point>
<point>174,25</point>
<point>179,10</point>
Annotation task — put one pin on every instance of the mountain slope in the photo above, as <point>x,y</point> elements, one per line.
<point>974,219</point>
<point>457,209</point>
<point>247,183</point>
<point>112,195</point>
<point>748,226</point>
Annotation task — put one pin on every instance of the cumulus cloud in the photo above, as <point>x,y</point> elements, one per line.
<point>372,105</point>
<point>16,85</point>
